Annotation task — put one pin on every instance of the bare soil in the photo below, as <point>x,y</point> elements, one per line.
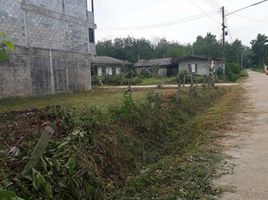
<point>246,145</point>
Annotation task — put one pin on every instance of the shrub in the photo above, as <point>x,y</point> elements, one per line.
<point>115,80</point>
<point>234,71</point>
<point>145,74</point>
<point>5,46</point>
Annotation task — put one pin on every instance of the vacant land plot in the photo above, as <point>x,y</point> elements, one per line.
<point>80,100</point>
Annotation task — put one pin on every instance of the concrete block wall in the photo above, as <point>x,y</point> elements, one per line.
<point>39,72</point>
<point>52,36</point>
<point>54,5</point>
<point>76,8</point>
<point>12,21</point>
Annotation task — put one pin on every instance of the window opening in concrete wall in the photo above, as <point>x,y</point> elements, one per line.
<point>91,35</point>
<point>90,6</point>
<point>63,5</point>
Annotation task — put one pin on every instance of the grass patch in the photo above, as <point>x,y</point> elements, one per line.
<point>159,80</point>
<point>258,69</point>
<point>80,100</point>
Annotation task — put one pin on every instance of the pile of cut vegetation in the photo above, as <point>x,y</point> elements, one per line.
<point>94,154</point>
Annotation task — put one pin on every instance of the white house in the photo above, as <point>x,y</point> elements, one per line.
<point>103,65</point>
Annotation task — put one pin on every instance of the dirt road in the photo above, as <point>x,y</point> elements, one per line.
<point>247,145</point>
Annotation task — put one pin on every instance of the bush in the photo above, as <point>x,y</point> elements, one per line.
<point>115,80</point>
<point>234,71</point>
<point>145,74</point>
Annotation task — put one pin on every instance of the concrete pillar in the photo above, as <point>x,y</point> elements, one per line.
<point>25,29</point>
<point>51,72</point>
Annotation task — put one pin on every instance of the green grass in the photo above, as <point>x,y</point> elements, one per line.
<point>80,100</point>
<point>159,80</point>
<point>258,69</point>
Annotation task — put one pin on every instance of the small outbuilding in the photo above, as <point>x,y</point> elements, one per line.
<point>198,64</point>
<point>103,65</point>
<point>163,67</point>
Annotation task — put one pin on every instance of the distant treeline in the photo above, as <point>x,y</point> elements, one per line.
<point>132,49</point>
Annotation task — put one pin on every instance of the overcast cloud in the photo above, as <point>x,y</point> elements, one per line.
<point>244,25</point>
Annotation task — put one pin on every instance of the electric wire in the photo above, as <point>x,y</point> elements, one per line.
<point>251,19</point>
<point>167,23</point>
<point>252,5</point>
<point>203,11</point>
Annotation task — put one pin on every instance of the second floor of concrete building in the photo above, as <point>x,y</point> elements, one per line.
<point>66,25</point>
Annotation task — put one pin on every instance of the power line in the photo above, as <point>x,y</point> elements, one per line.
<point>167,23</point>
<point>252,19</point>
<point>252,5</point>
<point>216,4</point>
<point>212,4</point>
<point>203,11</point>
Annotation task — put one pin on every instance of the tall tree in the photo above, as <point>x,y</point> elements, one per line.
<point>259,48</point>
<point>208,46</point>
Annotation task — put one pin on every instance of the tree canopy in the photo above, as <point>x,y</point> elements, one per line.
<point>132,49</point>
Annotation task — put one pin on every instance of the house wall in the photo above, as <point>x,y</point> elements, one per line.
<point>118,70</point>
<point>108,70</point>
<point>162,72</point>
<point>50,26</point>
<point>99,69</point>
<point>202,66</point>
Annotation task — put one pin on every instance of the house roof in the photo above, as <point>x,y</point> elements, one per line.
<point>197,57</point>
<point>155,62</point>
<point>109,60</point>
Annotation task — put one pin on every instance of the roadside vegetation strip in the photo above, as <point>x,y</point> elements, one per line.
<point>188,174</point>
<point>135,150</point>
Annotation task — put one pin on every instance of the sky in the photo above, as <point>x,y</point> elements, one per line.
<point>174,15</point>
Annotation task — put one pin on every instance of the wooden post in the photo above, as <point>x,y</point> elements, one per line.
<point>39,149</point>
<point>178,96</point>
<point>191,84</point>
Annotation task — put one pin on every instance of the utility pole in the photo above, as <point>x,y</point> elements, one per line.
<point>223,38</point>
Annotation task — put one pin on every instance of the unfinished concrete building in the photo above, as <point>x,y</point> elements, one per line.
<point>54,44</point>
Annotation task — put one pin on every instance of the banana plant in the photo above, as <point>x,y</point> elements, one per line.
<point>5,46</point>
